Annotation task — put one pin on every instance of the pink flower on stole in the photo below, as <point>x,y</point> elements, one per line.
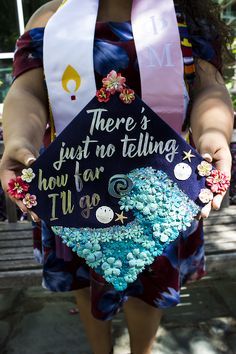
<point>127,96</point>
<point>114,82</point>
<point>103,95</point>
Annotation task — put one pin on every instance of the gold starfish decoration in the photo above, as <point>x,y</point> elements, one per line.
<point>121,217</point>
<point>188,155</point>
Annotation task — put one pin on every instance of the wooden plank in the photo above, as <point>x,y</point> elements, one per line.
<point>225,237</point>
<point>11,210</point>
<point>220,263</point>
<point>21,273</point>
<point>22,278</point>
<point>225,202</point>
<point>13,250</point>
<point>219,241</point>
<point>226,246</point>
<point>228,211</point>
<point>18,264</point>
<point>221,219</point>
<point>221,228</point>
<point>1,147</point>
<point>15,243</point>
<point>17,256</point>
<point>18,235</point>
<point>21,225</point>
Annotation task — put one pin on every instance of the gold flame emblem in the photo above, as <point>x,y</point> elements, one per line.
<point>71,81</point>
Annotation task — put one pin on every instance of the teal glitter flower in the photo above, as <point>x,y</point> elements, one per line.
<point>148,244</point>
<point>131,276</point>
<point>118,235</point>
<point>126,204</point>
<point>105,237</point>
<point>137,258</point>
<point>112,266</point>
<point>92,253</point>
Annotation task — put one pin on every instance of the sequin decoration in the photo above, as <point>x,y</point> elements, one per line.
<point>119,253</point>
<point>182,171</point>
<point>104,214</point>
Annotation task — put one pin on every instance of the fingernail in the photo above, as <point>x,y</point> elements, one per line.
<point>207,156</point>
<point>33,218</point>
<point>29,161</point>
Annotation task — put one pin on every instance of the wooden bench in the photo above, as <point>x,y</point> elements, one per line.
<point>18,267</point>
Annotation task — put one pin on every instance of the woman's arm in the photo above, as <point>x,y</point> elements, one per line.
<point>26,105</point>
<point>25,113</point>
<point>212,121</point>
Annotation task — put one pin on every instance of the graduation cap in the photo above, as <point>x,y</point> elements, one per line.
<point>118,185</point>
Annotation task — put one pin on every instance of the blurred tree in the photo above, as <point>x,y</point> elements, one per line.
<point>30,7</point>
<point>229,16</point>
<point>9,30</point>
<point>9,27</point>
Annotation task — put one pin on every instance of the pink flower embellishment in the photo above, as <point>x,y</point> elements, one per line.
<point>205,195</point>
<point>204,169</point>
<point>127,96</point>
<point>114,82</point>
<point>29,200</point>
<point>17,188</point>
<point>218,181</point>
<point>103,95</point>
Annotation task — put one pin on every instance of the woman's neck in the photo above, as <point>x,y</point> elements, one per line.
<point>114,10</point>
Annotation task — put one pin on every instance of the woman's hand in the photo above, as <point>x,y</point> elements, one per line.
<point>212,122</point>
<point>17,155</point>
<point>214,149</point>
<point>25,116</point>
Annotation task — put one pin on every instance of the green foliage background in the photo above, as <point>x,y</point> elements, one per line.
<point>9,30</point>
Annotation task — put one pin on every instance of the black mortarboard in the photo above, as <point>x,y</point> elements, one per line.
<point>118,185</point>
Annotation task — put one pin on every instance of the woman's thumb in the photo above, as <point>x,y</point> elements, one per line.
<point>29,160</point>
<point>25,156</point>
<point>206,156</point>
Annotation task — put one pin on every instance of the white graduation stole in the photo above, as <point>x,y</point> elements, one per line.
<point>69,67</point>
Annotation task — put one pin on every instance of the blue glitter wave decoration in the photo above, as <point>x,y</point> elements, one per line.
<point>119,253</point>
